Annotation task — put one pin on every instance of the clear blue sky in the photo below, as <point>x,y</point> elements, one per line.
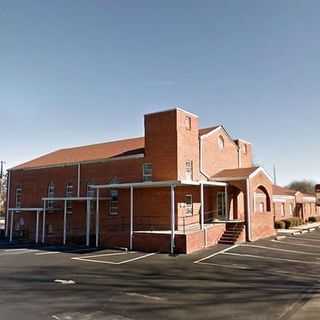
<point>80,72</point>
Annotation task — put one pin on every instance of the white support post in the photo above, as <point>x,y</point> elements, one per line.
<point>88,223</point>
<point>202,206</point>
<point>248,211</point>
<point>11,225</point>
<point>37,226</point>
<point>227,213</point>
<point>173,218</point>
<point>43,221</point>
<point>65,223</point>
<point>97,219</point>
<point>131,217</point>
<point>79,179</point>
<point>8,202</point>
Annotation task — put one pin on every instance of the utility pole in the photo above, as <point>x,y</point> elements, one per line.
<point>1,168</point>
<point>274,174</point>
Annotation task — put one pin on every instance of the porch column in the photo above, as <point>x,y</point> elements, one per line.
<point>226,203</point>
<point>43,221</point>
<point>8,203</point>
<point>37,226</point>
<point>173,217</point>
<point>248,211</point>
<point>131,217</point>
<point>97,219</point>
<point>88,223</point>
<point>202,206</point>
<point>65,223</point>
<point>11,225</point>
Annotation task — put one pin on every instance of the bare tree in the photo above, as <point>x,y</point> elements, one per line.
<point>3,189</point>
<point>304,186</point>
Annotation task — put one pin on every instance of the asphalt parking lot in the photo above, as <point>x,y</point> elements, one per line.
<point>267,279</point>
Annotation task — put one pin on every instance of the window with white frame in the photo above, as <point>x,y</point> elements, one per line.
<point>221,143</point>
<point>244,148</point>
<point>114,202</point>
<point>91,193</point>
<point>188,122</point>
<point>69,194</point>
<point>189,204</point>
<point>147,172</point>
<point>18,196</point>
<point>51,193</point>
<point>221,204</point>
<point>282,209</point>
<point>189,170</point>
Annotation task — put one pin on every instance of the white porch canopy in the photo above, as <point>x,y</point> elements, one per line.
<point>157,184</point>
<point>88,216</point>
<point>19,210</point>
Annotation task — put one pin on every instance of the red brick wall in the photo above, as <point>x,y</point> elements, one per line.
<point>262,225</point>
<point>214,159</point>
<point>187,144</point>
<point>161,144</point>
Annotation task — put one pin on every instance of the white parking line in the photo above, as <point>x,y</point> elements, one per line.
<point>269,258</point>
<point>15,253</point>
<point>307,239</point>
<point>46,253</point>
<point>297,244</point>
<point>16,250</point>
<point>89,258</point>
<point>216,253</point>
<point>230,266</point>
<point>283,250</point>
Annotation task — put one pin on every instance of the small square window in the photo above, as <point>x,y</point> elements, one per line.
<point>147,172</point>
<point>188,122</point>
<point>189,170</point>
<point>189,204</point>
<point>114,202</point>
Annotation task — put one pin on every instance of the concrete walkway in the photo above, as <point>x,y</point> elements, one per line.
<point>299,229</point>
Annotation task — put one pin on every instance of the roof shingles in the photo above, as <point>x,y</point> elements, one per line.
<point>94,152</point>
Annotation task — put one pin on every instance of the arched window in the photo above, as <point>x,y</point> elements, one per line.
<point>51,193</point>
<point>263,203</point>
<point>221,143</point>
<point>244,148</point>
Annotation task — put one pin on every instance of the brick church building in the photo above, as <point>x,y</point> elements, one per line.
<point>180,188</point>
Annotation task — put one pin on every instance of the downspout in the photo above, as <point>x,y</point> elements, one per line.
<point>79,179</point>
<point>248,222</point>
<point>200,162</point>
<point>239,157</point>
<point>8,201</point>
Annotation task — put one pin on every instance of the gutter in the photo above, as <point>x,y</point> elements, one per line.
<point>8,202</point>
<point>200,159</point>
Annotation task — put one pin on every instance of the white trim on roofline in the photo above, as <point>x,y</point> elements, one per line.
<point>247,142</point>
<point>172,109</point>
<point>281,198</point>
<point>309,199</point>
<point>71,164</point>
<point>254,173</point>
<point>216,129</point>
<point>154,184</point>
<point>258,170</point>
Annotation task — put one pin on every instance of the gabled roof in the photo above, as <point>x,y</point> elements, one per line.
<point>238,173</point>
<point>94,152</point>
<point>207,130</point>
<point>281,191</point>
